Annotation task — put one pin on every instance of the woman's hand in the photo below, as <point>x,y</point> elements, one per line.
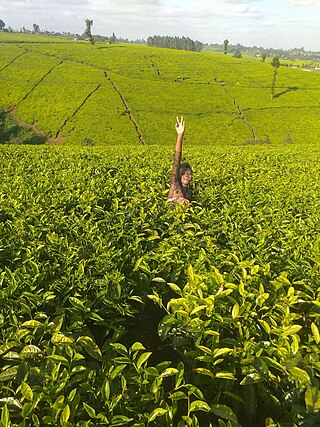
<point>180,126</point>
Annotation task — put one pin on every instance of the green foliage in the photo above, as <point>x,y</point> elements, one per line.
<point>225,46</point>
<point>245,341</point>
<point>181,43</point>
<point>288,139</point>
<point>275,64</point>
<point>237,54</point>
<point>87,33</point>
<point>71,92</point>
<point>119,309</point>
<point>266,140</point>
<point>88,142</point>
<point>13,133</point>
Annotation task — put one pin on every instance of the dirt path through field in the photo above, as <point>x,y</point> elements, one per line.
<point>33,127</point>
<point>59,138</point>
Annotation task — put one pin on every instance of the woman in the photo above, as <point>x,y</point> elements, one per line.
<point>181,173</point>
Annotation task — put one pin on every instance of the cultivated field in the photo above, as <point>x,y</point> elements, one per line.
<point>119,93</point>
<point>119,309</point>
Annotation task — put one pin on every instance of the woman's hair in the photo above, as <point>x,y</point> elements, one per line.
<point>184,167</point>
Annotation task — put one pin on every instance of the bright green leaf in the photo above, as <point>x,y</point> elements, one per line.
<point>65,414</point>
<point>142,359</point>
<point>169,372</point>
<point>90,411</point>
<point>315,333</point>
<point>199,405</point>
<point>158,412</point>
<point>30,351</point>
<point>225,375</point>
<point>120,420</point>
<point>137,346</point>
<point>26,391</point>
<point>90,347</point>
<point>9,374</point>
<point>235,311</point>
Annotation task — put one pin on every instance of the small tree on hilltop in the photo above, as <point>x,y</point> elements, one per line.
<point>113,38</point>
<point>2,24</point>
<point>225,46</point>
<point>237,54</point>
<point>87,32</point>
<point>275,64</point>
<point>36,28</point>
<point>263,56</point>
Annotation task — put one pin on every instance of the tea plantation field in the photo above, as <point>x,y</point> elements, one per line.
<point>119,309</point>
<point>118,93</point>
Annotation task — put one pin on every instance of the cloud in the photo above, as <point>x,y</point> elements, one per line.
<point>206,20</point>
<point>236,1</point>
<point>247,11</point>
<point>140,2</point>
<point>40,4</point>
<point>202,13</point>
<point>269,24</point>
<point>36,3</point>
<point>305,3</point>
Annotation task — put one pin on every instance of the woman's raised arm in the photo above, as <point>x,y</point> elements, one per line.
<point>180,128</point>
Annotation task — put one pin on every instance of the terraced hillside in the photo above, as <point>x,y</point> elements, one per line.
<point>120,309</point>
<point>129,93</point>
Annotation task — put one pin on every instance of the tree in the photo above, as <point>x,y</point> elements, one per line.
<point>36,28</point>
<point>237,54</point>
<point>275,64</point>
<point>225,46</point>
<point>2,24</point>
<point>113,38</point>
<point>181,43</point>
<point>263,56</point>
<point>87,32</point>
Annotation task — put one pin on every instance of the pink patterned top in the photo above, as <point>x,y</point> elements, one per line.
<point>176,192</point>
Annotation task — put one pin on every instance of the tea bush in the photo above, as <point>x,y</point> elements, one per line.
<point>120,309</point>
<point>118,93</point>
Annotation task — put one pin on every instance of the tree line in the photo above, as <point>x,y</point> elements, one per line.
<point>180,43</point>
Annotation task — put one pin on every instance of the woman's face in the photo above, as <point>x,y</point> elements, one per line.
<point>186,178</point>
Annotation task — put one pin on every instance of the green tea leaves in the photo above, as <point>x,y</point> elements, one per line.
<point>90,347</point>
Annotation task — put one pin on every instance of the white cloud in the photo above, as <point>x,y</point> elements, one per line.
<point>269,24</point>
<point>237,1</point>
<point>139,2</point>
<point>206,20</point>
<point>305,3</point>
<point>246,11</point>
<point>35,4</point>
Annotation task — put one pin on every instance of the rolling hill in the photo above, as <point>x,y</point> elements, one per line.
<point>130,93</point>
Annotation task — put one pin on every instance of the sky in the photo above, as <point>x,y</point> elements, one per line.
<point>264,23</point>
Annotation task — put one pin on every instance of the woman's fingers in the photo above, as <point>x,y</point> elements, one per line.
<point>179,122</point>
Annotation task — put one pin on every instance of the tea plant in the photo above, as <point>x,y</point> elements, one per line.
<point>120,93</point>
<point>119,309</point>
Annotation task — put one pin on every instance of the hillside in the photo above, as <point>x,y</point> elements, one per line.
<point>129,93</point>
